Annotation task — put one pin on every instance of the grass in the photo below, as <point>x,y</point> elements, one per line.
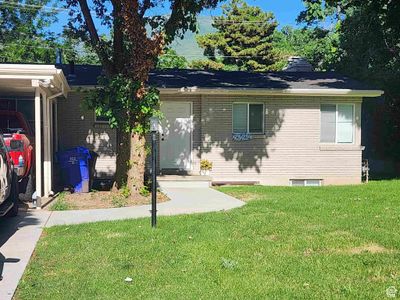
<point>61,203</point>
<point>329,242</point>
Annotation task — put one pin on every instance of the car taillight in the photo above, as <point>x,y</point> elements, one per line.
<point>16,145</point>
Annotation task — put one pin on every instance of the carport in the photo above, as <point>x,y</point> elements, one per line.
<point>36,89</point>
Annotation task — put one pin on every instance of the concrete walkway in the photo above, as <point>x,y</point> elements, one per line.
<point>18,236</point>
<point>183,201</point>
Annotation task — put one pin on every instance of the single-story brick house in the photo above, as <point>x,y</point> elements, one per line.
<point>283,128</point>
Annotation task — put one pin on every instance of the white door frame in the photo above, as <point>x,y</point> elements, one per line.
<point>190,168</point>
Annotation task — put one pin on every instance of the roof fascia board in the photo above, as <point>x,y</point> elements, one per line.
<point>272,92</point>
<point>276,92</point>
<point>27,68</point>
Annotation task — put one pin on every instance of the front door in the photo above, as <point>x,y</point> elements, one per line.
<point>175,139</point>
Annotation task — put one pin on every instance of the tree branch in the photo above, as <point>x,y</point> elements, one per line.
<point>94,37</point>
<point>145,6</point>
<point>118,40</point>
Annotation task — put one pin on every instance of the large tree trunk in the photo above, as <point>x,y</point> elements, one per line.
<point>131,160</point>
<point>137,162</point>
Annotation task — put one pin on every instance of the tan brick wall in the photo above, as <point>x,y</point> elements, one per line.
<point>290,148</point>
<point>77,127</point>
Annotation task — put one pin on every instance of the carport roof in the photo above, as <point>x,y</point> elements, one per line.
<point>24,78</point>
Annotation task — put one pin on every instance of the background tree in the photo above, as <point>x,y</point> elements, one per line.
<point>78,52</point>
<point>369,50</point>
<point>208,64</point>
<point>319,46</point>
<point>171,60</point>
<point>23,32</point>
<point>137,37</point>
<point>243,38</point>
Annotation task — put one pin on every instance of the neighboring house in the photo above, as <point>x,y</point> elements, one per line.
<point>284,128</point>
<point>298,64</point>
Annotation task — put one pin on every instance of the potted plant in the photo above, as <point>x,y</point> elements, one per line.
<point>205,167</point>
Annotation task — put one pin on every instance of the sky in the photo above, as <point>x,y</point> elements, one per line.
<point>286,11</point>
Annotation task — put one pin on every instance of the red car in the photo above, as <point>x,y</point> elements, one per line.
<point>19,139</point>
<point>8,183</point>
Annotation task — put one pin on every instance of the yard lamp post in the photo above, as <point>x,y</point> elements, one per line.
<point>154,128</point>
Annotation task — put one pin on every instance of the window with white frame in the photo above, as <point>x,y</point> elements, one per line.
<point>337,123</point>
<point>248,118</point>
<point>305,182</point>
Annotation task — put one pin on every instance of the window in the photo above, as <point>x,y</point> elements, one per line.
<point>101,119</point>
<point>24,105</point>
<point>337,123</point>
<point>305,182</point>
<point>248,118</point>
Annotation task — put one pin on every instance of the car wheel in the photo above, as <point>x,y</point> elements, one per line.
<point>29,189</point>
<point>13,198</point>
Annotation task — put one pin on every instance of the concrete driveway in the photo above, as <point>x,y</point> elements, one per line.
<point>18,238</point>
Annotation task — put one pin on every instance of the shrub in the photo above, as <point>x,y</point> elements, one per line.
<point>206,165</point>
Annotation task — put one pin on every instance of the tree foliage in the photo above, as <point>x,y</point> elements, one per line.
<point>23,32</point>
<point>369,50</point>
<point>171,60</point>
<point>243,38</point>
<point>319,46</point>
<point>78,52</point>
<point>208,64</point>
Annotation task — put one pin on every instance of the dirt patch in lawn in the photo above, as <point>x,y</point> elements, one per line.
<point>371,248</point>
<point>100,199</point>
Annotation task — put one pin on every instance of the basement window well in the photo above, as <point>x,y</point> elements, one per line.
<point>305,182</point>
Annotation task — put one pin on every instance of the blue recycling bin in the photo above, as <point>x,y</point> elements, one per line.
<point>75,168</point>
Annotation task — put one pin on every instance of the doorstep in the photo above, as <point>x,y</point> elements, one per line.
<point>184,181</point>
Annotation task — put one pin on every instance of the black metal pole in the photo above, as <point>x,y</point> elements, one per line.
<point>154,179</point>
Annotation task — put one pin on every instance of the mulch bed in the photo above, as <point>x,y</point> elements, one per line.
<point>99,199</point>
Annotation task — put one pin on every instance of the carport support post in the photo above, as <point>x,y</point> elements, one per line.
<point>154,179</point>
<point>47,161</point>
<point>38,143</point>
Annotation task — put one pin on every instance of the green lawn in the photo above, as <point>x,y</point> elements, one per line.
<point>329,242</point>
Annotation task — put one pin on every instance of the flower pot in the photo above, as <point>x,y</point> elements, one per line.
<point>204,172</point>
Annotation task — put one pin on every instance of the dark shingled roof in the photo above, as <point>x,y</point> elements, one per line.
<point>86,75</point>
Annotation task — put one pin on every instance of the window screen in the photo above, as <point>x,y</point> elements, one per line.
<point>101,119</point>
<point>328,123</point>
<point>313,182</point>
<point>248,118</point>
<point>298,182</point>
<point>256,118</point>
<point>305,182</point>
<point>240,118</point>
<point>345,124</point>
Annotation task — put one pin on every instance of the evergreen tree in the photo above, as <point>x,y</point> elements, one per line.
<point>243,38</point>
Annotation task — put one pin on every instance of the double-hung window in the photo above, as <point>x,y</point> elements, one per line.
<point>337,123</point>
<point>248,118</point>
